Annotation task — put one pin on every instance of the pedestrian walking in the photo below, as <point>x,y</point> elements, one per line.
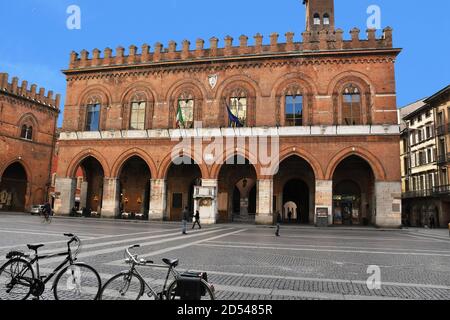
<point>279,220</point>
<point>290,215</point>
<point>197,220</point>
<point>185,219</point>
<point>432,222</point>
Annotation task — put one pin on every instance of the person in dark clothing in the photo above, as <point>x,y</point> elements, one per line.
<point>197,220</point>
<point>185,219</point>
<point>290,215</point>
<point>432,222</point>
<point>47,210</point>
<point>279,220</point>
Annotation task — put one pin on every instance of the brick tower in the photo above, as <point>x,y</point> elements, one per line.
<point>319,15</point>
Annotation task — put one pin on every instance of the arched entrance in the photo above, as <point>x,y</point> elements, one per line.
<point>134,188</point>
<point>182,176</point>
<point>353,192</point>
<point>237,191</point>
<point>89,190</point>
<point>13,188</point>
<point>294,190</point>
<point>296,202</point>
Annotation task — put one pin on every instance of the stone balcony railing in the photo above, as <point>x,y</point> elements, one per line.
<point>307,131</point>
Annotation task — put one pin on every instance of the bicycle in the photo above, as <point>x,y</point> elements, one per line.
<point>130,284</point>
<point>46,217</point>
<point>74,280</point>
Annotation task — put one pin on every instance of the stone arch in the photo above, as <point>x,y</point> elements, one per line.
<point>138,92</point>
<point>127,155</point>
<point>294,83</point>
<point>233,84</point>
<point>372,160</point>
<point>188,89</point>
<point>365,87</point>
<point>25,166</point>
<point>303,154</point>
<point>166,163</point>
<point>78,159</point>
<point>221,160</point>
<point>92,95</point>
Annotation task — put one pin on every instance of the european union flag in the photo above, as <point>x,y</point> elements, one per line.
<point>233,118</point>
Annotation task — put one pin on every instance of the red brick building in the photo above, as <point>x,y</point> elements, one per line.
<point>326,105</point>
<point>28,120</point>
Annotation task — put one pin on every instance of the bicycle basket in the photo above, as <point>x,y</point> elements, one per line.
<point>190,287</point>
<point>15,254</point>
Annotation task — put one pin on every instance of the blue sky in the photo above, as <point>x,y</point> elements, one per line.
<point>36,44</point>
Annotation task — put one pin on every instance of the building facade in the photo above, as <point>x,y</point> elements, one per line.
<point>158,130</point>
<point>423,154</point>
<point>28,120</point>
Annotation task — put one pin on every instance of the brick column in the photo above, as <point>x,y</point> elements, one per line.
<point>65,200</point>
<point>264,202</point>
<point>158,189</point>
<point>111,206</point>
<point>324,198</point>
<point>388,204</point>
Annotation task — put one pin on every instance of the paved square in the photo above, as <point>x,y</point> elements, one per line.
<point>249,262</point>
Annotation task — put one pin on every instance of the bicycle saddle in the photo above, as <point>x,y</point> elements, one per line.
<point>35,247</point>
<point>171,263</point>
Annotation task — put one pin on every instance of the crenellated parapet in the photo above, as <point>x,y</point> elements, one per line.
<point>30,93</point>
<point>311,43</point>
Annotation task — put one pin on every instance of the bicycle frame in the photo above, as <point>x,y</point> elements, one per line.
<point>171,271</point>
<point>68,261</point>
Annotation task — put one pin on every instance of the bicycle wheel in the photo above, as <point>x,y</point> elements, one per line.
<point>207,288</point>
<point>124,286</point>
<point>77,282</point>
<point>16,278</point>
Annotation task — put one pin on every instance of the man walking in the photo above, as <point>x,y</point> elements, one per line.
<point>197,220</point>
<point>185,219</point>
<point>279,220</point>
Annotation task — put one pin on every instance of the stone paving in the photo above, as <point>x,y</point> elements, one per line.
<point>246,262</point>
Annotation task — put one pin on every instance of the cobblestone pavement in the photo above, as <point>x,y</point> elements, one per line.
<point>249,262</point>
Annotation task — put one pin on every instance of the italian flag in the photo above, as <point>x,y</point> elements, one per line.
<point>180,119</point>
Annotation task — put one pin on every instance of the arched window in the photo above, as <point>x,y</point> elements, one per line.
<point>326,19</point>
<point>351,106</point>
<point>27,132</point>
<point>294,110</point>
<point>316,19</point>
<point>185,110</point>
<point>238,109</point>
<point>138,112</point>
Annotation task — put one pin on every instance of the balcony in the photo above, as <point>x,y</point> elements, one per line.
<point>435,192</point>
<point>443,159</point>
<point>441,191</point>
<point>418,194</point>
<point>443,129</point>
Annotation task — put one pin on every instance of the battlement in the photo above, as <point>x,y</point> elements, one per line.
<point>29,93</point>
<point>312,42</point>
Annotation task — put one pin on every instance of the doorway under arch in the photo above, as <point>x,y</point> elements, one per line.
<point>89,190</point>
<point>237,190</point>
<point>134,187</point>
<point>13,188</point>
<point>296,192</point>
<point>183,175</point>
<point>353,192</point>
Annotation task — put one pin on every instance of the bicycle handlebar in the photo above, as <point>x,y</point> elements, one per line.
<point>134,257</point>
